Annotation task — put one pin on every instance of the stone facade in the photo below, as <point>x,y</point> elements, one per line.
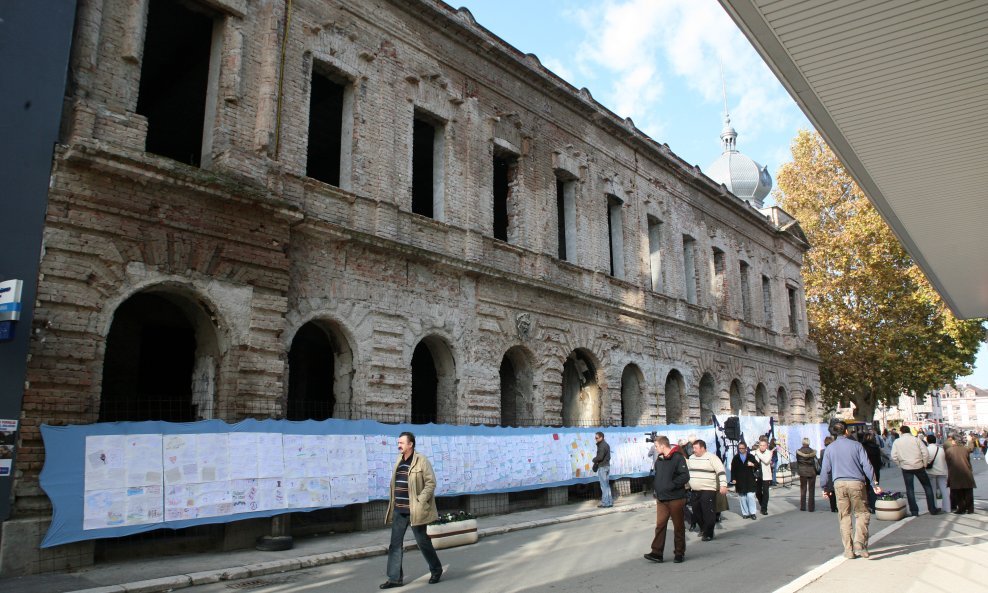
<point>249,249</point>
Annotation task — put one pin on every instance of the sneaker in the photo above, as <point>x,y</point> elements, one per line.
<point>653,557</point>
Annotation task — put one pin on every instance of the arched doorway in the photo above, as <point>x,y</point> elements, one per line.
<point>517,383</point>
<point>675,397</point>
<point>810,406</point>
<point>708,399</point>
<point>160,361</point>
<point>761,400</point>
<point>737,398</point>
<point>581,391</point>
<point>632,401</point>
<point>320,368</point>
<point>433,382</point>
<point>783,403</point>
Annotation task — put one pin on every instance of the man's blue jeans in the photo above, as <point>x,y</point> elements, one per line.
<point>604,475</point>
<point>396,549</point>
<point>924,479</point>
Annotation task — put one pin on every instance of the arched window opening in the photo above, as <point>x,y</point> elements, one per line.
<point>632,401</point>
<point>737,398</point>
<point>150,363</point>
<point>708,399</point>
<point>675,391</point>
<point>761,400</point>
<point>581,392</point>
<point>433,383</point>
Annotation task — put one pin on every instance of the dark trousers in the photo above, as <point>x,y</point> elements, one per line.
<point>833,502</point>
<point>762,494</point>
<point>665,510</point>
<point>924,479</point>
<point>872,497</point>
<point>965,499</point>
<point>703,511</point>
<point>807,487</point>
<point>397,549</point>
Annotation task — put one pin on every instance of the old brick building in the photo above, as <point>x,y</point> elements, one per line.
<point>320,208</point>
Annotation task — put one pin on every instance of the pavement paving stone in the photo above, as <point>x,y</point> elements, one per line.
<point>176,572</point>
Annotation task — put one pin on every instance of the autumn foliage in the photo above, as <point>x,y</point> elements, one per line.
<point>880,327</point>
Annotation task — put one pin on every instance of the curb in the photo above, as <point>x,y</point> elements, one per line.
<point>207,577</point>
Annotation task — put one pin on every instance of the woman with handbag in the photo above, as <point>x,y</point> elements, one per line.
<point>874,451</point>
<point>937,470</point>
<point>807,468</point>
<point>744,475</point>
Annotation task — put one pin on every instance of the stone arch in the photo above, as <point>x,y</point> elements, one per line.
<point>433,370</point>
<point>162,357</point>
<point>809,405</point>
<point>581,395</point>
<point>632,395</point>
<point>708,399</point>
<point>517,381</point>
<point>737,398</point>
<point>320,373</point>
<point>675,398</point>
<point>761,400</point>
<point>783,406</point>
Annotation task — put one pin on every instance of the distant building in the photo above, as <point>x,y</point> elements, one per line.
<point>964,406</point>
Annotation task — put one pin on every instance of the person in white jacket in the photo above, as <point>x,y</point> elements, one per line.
<point>911,456</point>
<point>938,473</point>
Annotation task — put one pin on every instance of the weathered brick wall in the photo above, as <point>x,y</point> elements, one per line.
<point>254,250</point>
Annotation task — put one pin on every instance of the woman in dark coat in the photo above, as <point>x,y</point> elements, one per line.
<point>744,472</point>
<point>874,451</point>
<point>806,468</point>
<point>960,476</point>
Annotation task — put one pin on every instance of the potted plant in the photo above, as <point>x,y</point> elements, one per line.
<point>890,506</point>
<point>452,529</point>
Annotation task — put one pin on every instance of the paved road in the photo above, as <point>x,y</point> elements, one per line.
<point>601,555</point>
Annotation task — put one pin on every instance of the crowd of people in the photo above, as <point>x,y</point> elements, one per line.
<point>690,483</point>
<point>690,486</point>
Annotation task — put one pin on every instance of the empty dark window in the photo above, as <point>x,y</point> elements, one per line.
<point>792,308</point>
<point>311,368</point>
<point>690,277</point>
<point>615,233</point>
<point>174,79</point>
<point>745,291</point>
<point>718,287</point>
<point>767,301</point>
<point>423,167</point>
<point>505,170</point>
<point>325,129</point>
<point>566,217</point>
<point>655,252</point>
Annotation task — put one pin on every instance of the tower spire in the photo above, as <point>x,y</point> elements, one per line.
<point>728,136</point>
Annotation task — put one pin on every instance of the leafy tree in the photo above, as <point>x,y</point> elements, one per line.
<point>880,327</point>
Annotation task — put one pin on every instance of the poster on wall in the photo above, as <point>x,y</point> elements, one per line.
<point>8,442</point>
<point>114,479</point>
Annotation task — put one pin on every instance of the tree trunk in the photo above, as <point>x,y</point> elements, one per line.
<point>864,408</point>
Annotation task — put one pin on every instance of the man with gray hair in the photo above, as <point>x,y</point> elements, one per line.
<point>845,474</point>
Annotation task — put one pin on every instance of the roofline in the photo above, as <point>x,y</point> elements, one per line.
<point>751,22</point>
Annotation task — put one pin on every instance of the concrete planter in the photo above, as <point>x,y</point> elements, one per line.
<point>890,510</point>
<point>450,535</point>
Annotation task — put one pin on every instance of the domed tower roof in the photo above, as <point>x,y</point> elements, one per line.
<point>743,176</point>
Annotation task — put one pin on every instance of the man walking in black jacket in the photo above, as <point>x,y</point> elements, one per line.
<point>671,477</point>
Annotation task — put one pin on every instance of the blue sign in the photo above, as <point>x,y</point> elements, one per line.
<point>6,331</point>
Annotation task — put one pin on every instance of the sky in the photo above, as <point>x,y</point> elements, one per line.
<point>660,62</point>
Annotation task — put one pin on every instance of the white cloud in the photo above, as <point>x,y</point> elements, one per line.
<point>638,43</point>
<point>559,69</point>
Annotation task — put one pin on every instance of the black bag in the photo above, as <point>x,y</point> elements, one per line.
<point>930,464</point>
<point>816,465</point>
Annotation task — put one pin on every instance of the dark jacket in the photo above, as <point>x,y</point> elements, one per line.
<point>806,462</point>
<point>603,457</point>
<point>960,472</point>
<point>745,477</point>
<point>874,453</point>
<point>671,476</point>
